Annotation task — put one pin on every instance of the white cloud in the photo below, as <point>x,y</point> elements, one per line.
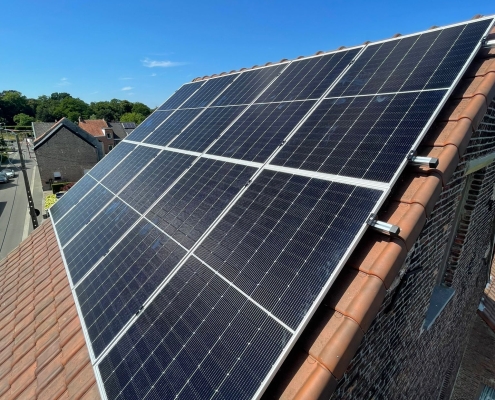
<point>153,75</point>
<point>127,88</point>
<point>64,82</point>
<point>162,64</point>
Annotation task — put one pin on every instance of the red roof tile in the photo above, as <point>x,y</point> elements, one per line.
<point>94,126</point>
<point>42,349</point>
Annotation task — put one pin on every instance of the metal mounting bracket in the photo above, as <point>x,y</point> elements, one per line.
<point>417,161</point>
<point>381,226</point>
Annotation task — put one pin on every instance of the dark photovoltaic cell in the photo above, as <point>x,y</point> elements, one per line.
<point>194,202</point>
<point>172,126</point>
<point>428,61</point>
<point>81,214</point>
<point>308,78</point>
<point>180,96</point>
<point>249,85</point>
<point>284,237</point>
<point>111,160</point>
<point>200,338</point>
<point>118,287</point>
<point>76,192</point>
<point>208,126</point>
<point>129,168</point>
<point>242,256</point>
<point>97,237</point>
<point>148,125</point>
<point>211,89</point>
<point>155,179</point>
<point>260,130</point>
<point>363,137</point>
<point>128,125</point>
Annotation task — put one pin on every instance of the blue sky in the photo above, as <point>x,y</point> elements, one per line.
<point>143,50</point>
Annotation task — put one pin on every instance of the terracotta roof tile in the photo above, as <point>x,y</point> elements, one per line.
<point>94,126</point>
<point>37,322</point>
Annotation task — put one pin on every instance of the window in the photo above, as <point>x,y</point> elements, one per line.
<point>110,147</point>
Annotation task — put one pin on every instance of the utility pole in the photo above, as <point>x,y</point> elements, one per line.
<point>32,210</point>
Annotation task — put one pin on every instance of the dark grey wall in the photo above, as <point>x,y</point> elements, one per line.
<point>66,153</point>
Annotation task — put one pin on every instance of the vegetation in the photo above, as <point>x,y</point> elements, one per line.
<point>50,200</point>
<point>16,109</point>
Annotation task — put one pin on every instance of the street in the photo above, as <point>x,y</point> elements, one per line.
<point>15,221</point>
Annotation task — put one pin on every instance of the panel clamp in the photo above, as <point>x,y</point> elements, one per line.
<point>381,226</point>
<point>418,161</point>
<point>489,43</point>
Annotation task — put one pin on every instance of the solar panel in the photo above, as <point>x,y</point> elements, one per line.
<point>117,288</point>
<point>152,182</point>
<point>83,187</point>
<point>128,168</point>
<point>230,215</point>
<point>83,211</point>
<point>364,137</point>
<point>111,160</point>
<point>181,95</point>
<point>210,90</point>
<point>96,238</point>
<point>308,78</point>
<point>195,201</point>
<point>148,125</point>
<point>208,126</point>
<point>248,86</point>
<point>128,125</point>
<point>172,126</point>
<point>260,130</point>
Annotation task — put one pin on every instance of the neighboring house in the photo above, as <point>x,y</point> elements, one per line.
<point>65,153</point>
<point>108,133</point>
<point>40,128</point>
<point>395,324</point>
<point>121,129</point>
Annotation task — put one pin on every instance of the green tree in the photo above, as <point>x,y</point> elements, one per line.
<point>72,108</point>
<point>12,103</point>
<point>23,119</point>
<point>141,108</point>
<point>132,117</point>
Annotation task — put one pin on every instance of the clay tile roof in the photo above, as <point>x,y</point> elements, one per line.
<point>42,349</point>
<point>94,126</point>
<point>43,353</point>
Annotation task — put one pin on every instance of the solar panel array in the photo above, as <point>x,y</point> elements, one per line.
<point>198,249</point>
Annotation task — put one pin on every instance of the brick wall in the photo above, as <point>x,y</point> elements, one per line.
<point>66,153</point>
<point>397,358</point>
<point>478,363</point>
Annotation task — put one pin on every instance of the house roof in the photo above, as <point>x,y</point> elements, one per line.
<point>40,128</point>
<point>94,126</point>
<point>326,347</point>
<point>81,133</point>
<point>42,349</point>
<point>119,129</point>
